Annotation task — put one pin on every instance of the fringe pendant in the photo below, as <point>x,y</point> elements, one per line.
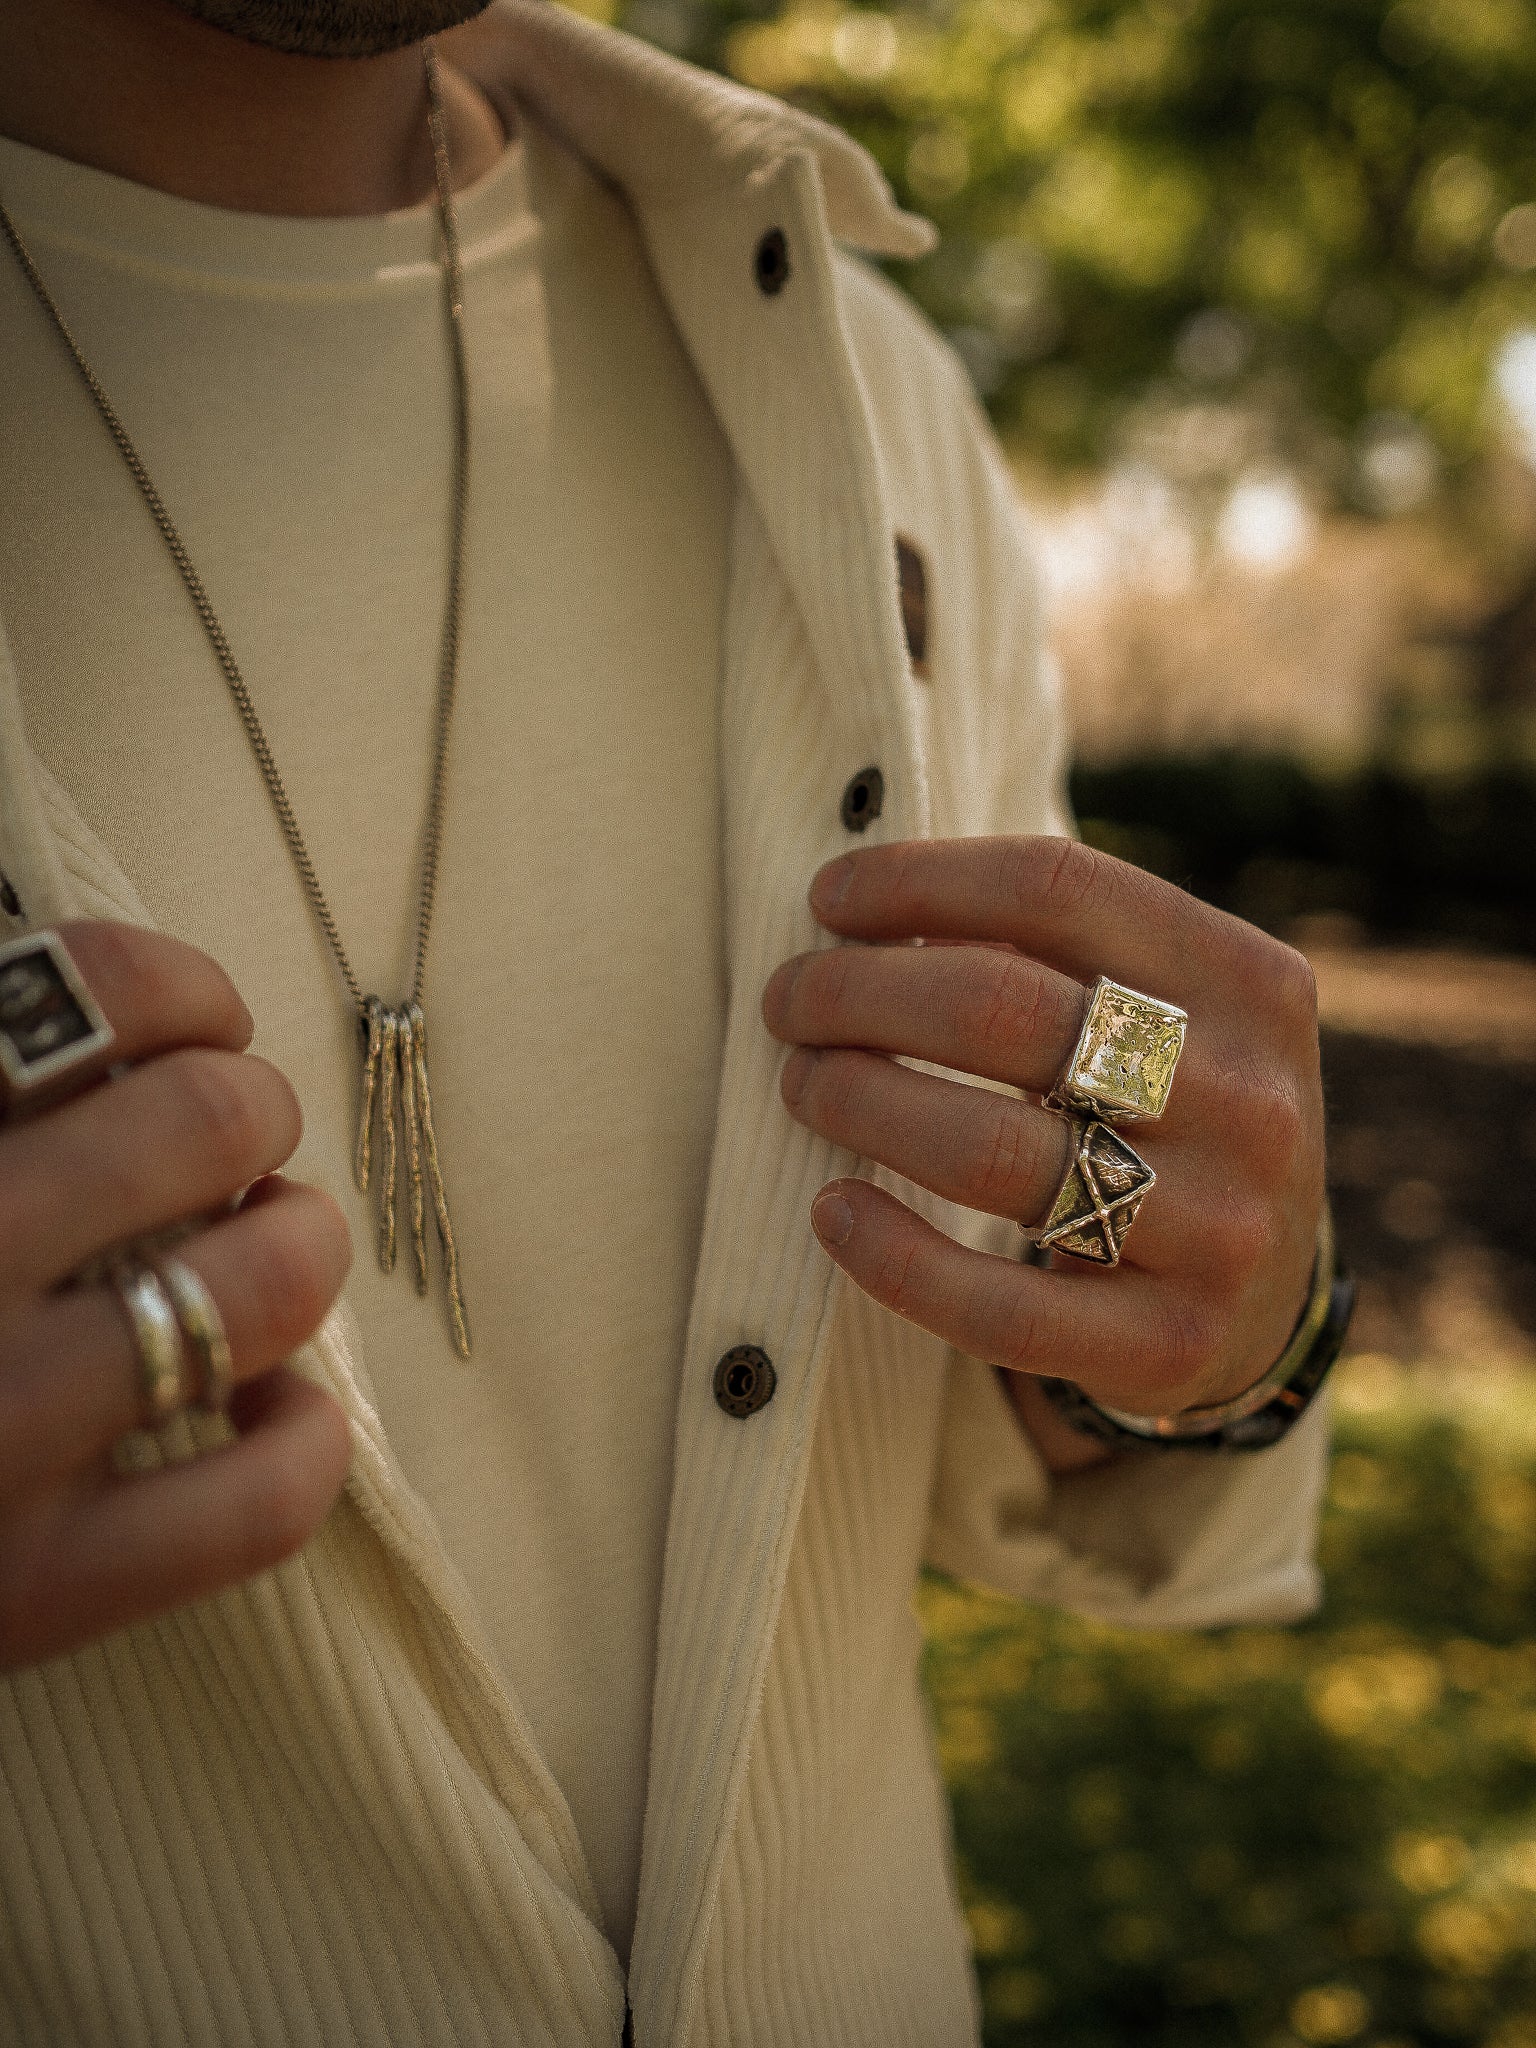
<point>408,1118</point>
<point>388,1075</point>
<point>396,1088</point>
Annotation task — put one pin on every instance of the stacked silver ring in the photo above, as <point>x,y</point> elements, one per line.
<point>173,1317</point>
<point>1120,1071</point>
<point>54,1035</point>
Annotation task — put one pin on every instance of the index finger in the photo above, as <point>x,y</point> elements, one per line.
<point>1064,904</point>
<point>157,993</point>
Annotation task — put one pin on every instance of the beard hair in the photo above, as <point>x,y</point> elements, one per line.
<point>332,28</point>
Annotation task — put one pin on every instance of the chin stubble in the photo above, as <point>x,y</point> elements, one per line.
<point>333,28</point>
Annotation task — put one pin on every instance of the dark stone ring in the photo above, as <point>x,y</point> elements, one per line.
<point>50,1024</point>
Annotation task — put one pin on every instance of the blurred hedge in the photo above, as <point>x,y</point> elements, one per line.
<point>1267,1838</point>
<point>1273,839</point>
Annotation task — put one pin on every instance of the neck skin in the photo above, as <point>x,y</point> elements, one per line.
<point>138,88</point>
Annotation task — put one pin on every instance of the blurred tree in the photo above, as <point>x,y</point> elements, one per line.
<point>1296,231</point>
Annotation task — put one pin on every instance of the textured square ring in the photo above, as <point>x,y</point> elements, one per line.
<point>1121,1069</point>
<point>50,1023</point>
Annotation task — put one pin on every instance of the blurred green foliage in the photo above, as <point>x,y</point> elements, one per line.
<point>1326,208</point>
<point>1266,1838</point>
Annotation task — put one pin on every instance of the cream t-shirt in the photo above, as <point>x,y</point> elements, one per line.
<point>287,382</point>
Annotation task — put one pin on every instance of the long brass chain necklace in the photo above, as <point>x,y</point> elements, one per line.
<point>396,1095</point>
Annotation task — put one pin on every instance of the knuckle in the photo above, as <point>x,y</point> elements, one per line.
<point>216,1107</point>
<point>823,987</point>
<point>1060,876</point>
<point>897,1277</point>
<point>235,1108</point>
<point>159,982</point>
<point>1026,1338</point>
<point>1290,982</point>
<point>1297,984</point>
<point>1255,1102</point>
<point>120,953</point>
<point>1273,1130</point>
<point>1002,1173</point>
<point>1003,1004</point>
<point>296,1280</point>
<point>902,870</point>
<point>840,1088</point>
<point>1277,983</point>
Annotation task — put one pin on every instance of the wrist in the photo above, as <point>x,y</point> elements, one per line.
<point>1060,1447</point>
<point>1249,1420</point>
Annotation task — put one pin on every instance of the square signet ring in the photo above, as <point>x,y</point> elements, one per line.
<point>50,1023</point>
<point>1121,1068</point>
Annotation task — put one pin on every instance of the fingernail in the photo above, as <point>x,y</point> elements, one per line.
<point>832,884</point>
<point>831,1219</point>
<point>797,1072</point>
<point>780,986</point>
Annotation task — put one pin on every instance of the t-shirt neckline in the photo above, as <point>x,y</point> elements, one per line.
<point>95,213</point>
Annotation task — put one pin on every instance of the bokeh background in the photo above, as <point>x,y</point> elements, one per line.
<point>1250,292</point>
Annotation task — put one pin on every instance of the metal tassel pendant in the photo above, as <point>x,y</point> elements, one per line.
<point>373,1051</point>
<point>395,1084</point>
<point>388,1074</point>
<point>445,1235</point>
<point>408,1117</point>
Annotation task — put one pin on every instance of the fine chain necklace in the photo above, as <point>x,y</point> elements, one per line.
<point>396,1094</point>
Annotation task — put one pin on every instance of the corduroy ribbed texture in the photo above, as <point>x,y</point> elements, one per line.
<point>308,1811</point>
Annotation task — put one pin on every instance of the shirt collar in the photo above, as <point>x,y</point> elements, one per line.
<point>662,130</point>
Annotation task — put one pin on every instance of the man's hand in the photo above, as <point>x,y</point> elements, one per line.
<point>1216,1266</point>
<point>82,1550</point>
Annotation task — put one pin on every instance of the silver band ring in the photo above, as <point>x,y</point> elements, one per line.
<point>50,1023</point>
<point>203,1327</point>
<point>156,1340</point>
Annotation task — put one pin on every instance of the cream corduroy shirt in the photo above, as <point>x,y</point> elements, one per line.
<point>287,382</point>
<point>313,1810</point>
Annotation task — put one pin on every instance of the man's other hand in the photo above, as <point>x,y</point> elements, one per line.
<point>194,1120</point>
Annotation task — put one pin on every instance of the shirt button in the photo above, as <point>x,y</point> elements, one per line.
<point>744,1380</point>
<point>770,263</point>
<point>863,799</point>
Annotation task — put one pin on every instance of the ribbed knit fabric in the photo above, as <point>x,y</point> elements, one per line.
<point>308,1811</point>
<point>576,994</point>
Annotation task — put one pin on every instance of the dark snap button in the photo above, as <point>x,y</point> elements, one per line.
<point>863,799</point>
<point>744,1380</point>
<point>770,262</point>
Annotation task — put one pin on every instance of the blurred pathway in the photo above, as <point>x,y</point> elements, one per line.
<point>1461,1001</point>
<point>1430,1064</point>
